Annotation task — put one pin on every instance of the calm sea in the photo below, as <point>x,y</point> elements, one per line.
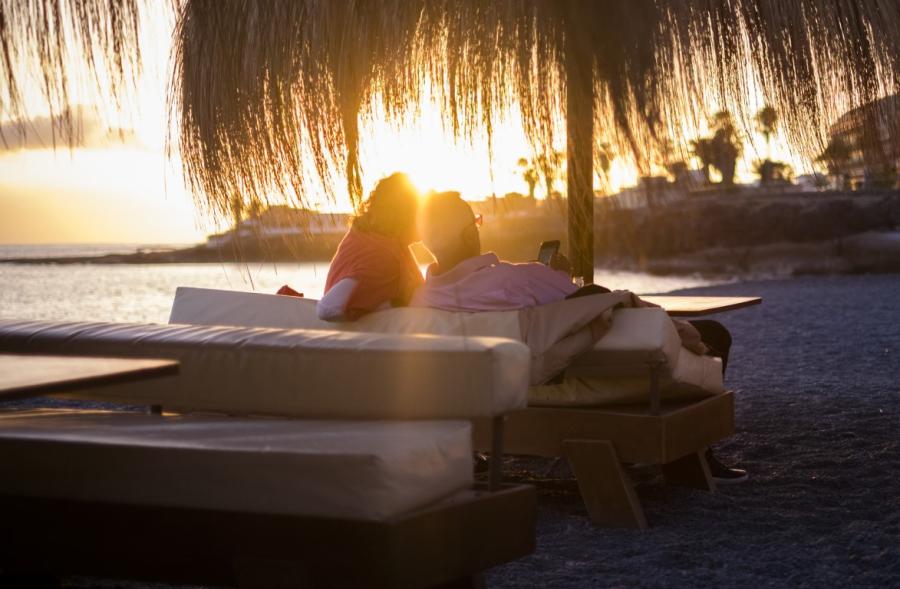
<point>143,293</point>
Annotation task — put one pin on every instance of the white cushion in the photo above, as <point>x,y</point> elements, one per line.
<point>635,338</point>
<point>333,306</point>
<point>298,373</point>
<point>697,375</point>
<point>347,470</point>
<point>614,371</point>
<point>204,306</point>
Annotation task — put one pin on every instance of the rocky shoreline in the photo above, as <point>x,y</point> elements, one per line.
<point>863,253</point>
<point>733,235</point>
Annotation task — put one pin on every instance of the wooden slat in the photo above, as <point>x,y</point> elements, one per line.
<point>698,426</point>
<point>680,429</point>
<point>23,376</point>
<point>541,431</point>
<point>691,306</point>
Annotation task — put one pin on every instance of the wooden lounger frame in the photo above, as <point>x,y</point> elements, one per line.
<point>446,545</point>
<point>596,441</point>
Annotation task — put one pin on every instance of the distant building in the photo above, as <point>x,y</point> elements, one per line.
<point>872,132</point>
<point>651,191</point>
<point>284,221</point>
<point>510,204</point>
<point>811,182</point>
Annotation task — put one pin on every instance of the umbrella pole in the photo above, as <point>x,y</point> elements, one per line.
<point>580,155</point>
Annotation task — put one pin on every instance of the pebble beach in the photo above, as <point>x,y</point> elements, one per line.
<point>816,371</point>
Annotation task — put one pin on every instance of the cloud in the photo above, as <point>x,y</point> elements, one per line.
<point>49,132</point>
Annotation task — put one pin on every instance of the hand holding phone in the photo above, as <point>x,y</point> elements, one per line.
<point>548,251</point>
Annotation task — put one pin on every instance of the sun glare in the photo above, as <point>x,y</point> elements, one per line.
<point>424,150</point>
<point>137,173</point>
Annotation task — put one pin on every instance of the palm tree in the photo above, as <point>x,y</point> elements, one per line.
<point>726,146</point>
<point>604,155</point>
<point>550,166</point>
<point>529,175</point>
<point>766,123</point>
<point>770,171</point>
<point>702,149</point>
<point>837,157</point>
<point>677,170</point>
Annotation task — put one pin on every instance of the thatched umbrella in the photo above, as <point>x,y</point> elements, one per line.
<point>268,95</point>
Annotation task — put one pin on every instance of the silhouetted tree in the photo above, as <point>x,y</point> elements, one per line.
<point>678,170</point>
<point>549,166</point>
<point>837,157</point>
<point>237,211</point>
<point>767,123</point>
<point>702,149</point>
<point>771,171</point>
<point>603,157</point>
<point>529,175</point>
<point>726,146</point>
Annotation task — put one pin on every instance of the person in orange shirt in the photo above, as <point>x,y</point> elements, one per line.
<point>373,267</point>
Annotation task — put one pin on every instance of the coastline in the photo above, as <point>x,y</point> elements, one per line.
<point>871,252</point>
<point>741,235</point>
<point>864,253</point>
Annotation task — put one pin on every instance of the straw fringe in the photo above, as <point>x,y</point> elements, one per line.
<point>42,44</point>
<point>268,95</point>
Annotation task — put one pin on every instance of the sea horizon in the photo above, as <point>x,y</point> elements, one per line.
<point>137,293</point>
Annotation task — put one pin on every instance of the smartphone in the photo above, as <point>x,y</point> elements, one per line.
<point>547,251</point>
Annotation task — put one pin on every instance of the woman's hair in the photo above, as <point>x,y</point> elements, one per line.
<point>390,209</point>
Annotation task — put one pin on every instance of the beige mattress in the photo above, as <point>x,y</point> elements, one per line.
<point>337,469</point>
<point>615,371</point>
<point>296,372</point>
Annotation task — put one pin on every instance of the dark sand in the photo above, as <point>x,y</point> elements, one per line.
<point>817,370</point>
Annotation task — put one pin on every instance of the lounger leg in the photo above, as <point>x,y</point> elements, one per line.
<point>605,486</point>
<point>690,471</point>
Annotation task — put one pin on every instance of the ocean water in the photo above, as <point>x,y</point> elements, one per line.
<point>143,293</point>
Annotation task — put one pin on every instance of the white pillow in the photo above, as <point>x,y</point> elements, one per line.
<point>333,306</point>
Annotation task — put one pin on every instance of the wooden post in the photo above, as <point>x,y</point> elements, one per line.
<point>579,148</point>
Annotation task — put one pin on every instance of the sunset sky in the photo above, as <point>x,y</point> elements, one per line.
<point>120,188</point>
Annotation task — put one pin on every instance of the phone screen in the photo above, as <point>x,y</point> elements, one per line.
<point>547,251</point>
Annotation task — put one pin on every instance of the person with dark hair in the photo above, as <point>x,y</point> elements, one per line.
<point>462,278</point>
<point>373,267</point>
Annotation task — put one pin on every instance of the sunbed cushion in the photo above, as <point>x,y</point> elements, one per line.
<point>205,306</point>
<point>298,373</point>
<point>615,371</point>
<point>635,338</point>
<point>336,469</point>
<point>694,377</point>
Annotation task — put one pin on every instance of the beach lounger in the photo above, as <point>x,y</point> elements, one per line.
<point>659,403</point>
<point>369,484</point>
